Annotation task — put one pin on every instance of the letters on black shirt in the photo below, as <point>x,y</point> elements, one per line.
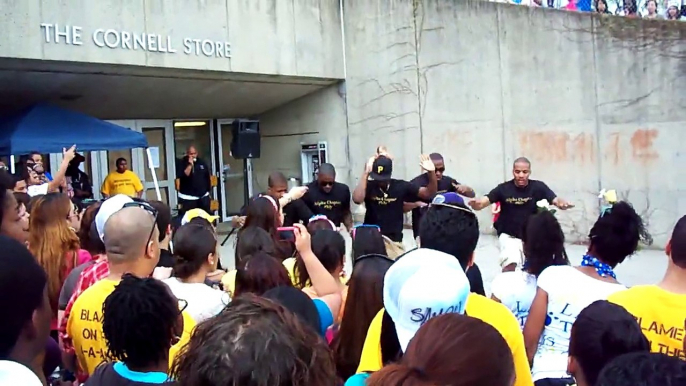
<point>385,207</point>
<point>445,185</point>
<point>335,205</point>
<point>517,204</point>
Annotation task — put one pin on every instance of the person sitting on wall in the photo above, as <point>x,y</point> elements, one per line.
<point>194,182</point>
<point>122,181</point>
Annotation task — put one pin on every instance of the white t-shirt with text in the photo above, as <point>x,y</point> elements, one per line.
<point>516,290</point>
<point>204,301</point>
<point>569,291</point>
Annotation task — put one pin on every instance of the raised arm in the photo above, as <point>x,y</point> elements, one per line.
<point>361,189</point>
<point>59,177</point>
<point>428,192</point>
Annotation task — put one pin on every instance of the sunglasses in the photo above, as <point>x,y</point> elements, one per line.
<point>364,226</point>
<point>372,256</point>
<point>440,170</point>
<point>148,208</point>
<point>326,183</point>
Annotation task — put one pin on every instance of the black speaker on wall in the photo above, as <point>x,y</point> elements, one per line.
<point>245,140</point>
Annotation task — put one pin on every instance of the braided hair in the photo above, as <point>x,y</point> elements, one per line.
<point>139,321</point>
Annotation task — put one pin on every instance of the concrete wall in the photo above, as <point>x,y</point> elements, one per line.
<point>593,102</point>
<point>298,37</point>
<point>315,117</point>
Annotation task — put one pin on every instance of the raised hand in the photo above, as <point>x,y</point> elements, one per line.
<point>426,163</point>
<point>370,163</point>
<point>303,243</point>
<point>70,153</point>
<point>297,192</point>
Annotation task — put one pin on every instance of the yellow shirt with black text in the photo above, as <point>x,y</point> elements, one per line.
<point>661,315</point>
<point>85,327</point>
<point>126,183</point>
<point>480,307</point>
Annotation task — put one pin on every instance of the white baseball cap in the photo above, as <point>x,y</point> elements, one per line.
<point>421,285</point>
<point>109,207</point>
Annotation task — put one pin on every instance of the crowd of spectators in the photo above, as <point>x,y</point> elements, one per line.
<point>647,9</point>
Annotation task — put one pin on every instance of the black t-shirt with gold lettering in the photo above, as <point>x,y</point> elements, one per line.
<point>517,204</point>
<point>335,205</point>
<point>385,206</point>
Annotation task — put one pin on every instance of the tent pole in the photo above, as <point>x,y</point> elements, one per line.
<point>154,174</point>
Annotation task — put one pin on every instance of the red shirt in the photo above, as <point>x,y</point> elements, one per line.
<point>89,276</point>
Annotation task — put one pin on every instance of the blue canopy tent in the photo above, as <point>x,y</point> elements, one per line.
<point>50,129</point>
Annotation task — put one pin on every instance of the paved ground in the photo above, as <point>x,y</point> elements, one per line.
<point>646,267</point>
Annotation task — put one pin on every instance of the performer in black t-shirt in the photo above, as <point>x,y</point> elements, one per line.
<point>330,198</point>
<point>517,198</point>
<point>384,196</point>
<point>445,184</point>
<point>194,182</point>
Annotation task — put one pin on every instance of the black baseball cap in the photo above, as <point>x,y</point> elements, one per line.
<point>382,169</point>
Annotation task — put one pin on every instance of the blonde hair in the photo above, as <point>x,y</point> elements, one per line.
<point>54,244</point>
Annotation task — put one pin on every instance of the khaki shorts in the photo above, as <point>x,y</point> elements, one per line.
<point>511,251</point>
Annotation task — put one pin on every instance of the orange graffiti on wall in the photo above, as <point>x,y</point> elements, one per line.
<point>642,145</point>
<point>642,149</point>
<point>556,146</point>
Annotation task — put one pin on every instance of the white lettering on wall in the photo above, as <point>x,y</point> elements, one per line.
<point>109,38</point>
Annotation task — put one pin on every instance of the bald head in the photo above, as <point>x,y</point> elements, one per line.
<point>522,160</point>
<point>126,234</point>
<point>192,151</point>
<point>327,169</point>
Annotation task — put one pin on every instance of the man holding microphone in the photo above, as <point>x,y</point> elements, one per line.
<point>194,182</point>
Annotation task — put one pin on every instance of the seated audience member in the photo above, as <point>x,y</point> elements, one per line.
<point>195,250</point>
<point>422,284</point>
<point>602,332</point>
<point>132,243</point>
<point>563,291</point>
<point>451,350</point>
<point>644,369</point>
<point>454,230</point>
<point>544,245</point>
<point>364,301</point>
<point>255,342</point>
<point>26,328</point>
<point>664,304</point>
<point>141,320</point>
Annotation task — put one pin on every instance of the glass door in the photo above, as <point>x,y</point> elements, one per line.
<point>160,138</point>
<point>232,174</point>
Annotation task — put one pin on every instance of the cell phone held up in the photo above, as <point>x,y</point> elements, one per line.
<point>286,234</point>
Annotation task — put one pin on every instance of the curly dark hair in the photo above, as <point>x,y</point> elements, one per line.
<point>254,342</point>
<point>544,243</point>
<point>616,234</point>
<point>140,321</point>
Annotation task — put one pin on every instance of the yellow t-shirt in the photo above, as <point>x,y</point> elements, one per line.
<point>489,311</point>
<point>661,315</point>
<point>126,183</point>
<point>85,327</point>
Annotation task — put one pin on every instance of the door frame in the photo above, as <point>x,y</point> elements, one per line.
<point>220,173</point>
<point>138,165</point>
